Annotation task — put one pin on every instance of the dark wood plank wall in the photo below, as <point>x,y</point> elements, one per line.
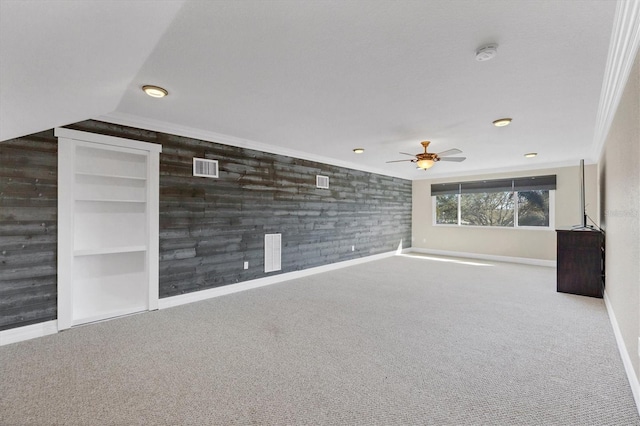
<point>209,227</point>
<point>28,229</point>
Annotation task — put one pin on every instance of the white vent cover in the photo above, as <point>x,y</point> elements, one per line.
<point>205,168</point>
<point>272,252</point>
<point>322,182</point>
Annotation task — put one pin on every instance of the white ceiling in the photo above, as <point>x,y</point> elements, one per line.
<point>315,79</point>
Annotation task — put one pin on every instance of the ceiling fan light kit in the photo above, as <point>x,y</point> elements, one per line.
<point>425,164</point>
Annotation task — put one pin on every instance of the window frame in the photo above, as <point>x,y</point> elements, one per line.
<point>550,227</point>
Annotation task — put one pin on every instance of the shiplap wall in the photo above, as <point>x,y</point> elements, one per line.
<point>28,229</point>
<point>208,227</point>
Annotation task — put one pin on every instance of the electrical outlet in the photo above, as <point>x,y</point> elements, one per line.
<point>353,248</point>
<point>246,265</point>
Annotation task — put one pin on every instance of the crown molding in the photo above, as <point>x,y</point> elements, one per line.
<point>190,132</point>
<point>623,48</point>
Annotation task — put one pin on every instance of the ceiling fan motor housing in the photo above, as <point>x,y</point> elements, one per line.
<point>427,156</point>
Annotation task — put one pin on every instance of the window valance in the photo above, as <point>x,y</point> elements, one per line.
<point>531,183</point>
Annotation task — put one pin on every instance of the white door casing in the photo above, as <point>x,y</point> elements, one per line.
<point>107,226</point>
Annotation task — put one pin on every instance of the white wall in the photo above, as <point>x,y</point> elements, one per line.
<point>620,206</point>
<point>524,243</point>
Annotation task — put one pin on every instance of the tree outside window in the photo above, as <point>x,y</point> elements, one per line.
<point>447,209</point>
<point>533,208</point>
<point>487,209</point>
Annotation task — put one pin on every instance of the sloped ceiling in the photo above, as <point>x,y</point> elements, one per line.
<point>315,79</point>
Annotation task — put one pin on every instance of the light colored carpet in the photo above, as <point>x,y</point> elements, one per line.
<point>404,340</point>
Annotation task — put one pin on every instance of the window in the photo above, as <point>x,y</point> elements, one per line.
<point>447,209</point>
<point>521,202</point>
<point>487,209</point>
<point>533,208</point>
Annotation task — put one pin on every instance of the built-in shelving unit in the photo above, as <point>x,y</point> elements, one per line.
<point>108,227</point>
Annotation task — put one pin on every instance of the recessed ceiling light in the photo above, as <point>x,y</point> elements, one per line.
<point>358,150</point>
<point>501,122</point>
<point>155,91</point>
<point>531,154</point>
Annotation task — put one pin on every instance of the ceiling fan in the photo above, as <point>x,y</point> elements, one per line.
<point>425,160</point>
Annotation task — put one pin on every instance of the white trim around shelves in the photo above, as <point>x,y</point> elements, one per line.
<point>61,132</point>
<point>69,140</point>
<point>66,178</point>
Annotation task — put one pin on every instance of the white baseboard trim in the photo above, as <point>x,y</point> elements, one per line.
<point>169,302</point>
<point>509,259</point>
<point>624,354</point>
<point>27,332</point>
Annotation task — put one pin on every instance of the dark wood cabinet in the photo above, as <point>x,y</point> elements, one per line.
<point>580,262</point>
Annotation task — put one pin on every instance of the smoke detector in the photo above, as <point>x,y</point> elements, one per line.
<point>486,52</point>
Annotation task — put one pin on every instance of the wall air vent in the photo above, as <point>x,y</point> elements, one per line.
<point>272,252</point>
<point>205,168</point>
<point>322,182</point>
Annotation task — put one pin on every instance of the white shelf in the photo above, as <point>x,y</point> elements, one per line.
<point>109,250</point>
<point>104,175</point>
<point>106,200</point>
<point>79,319</point>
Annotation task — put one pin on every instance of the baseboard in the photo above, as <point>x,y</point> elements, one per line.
<point>169,302</point>
<point>624,353</point>
<point>509,259</point>
<point>27,332</point>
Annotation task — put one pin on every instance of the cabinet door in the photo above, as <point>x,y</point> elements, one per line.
<point>580,263</point>
<point>107,227</point>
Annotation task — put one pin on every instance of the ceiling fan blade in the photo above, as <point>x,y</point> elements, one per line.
<point>456,159</point>
<point>397,161</point>
<point>406,153</point>
<point>449,152</point>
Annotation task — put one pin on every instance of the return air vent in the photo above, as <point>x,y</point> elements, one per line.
<point>205,168</point>
<point>322,182</point>
<point>272,252</point>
